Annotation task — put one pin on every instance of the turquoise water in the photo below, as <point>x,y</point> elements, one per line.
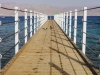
<point>92,28</point>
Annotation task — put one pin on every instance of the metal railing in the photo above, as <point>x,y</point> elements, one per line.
<point>69,20</point>
<point>35,19</point>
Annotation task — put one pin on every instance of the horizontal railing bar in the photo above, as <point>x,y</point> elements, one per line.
<point>8,8</point>
<point>26,27</point>
<point>94,8</point>
<point>91,36</point>
<point>14,9</point>
<point>10,49</point>
<point>15,33</point>
<point>15,45</point>
<point>88,48</point>
<point>9,36</point>
<point>23,29</point>
<point>23,38</point>
<point>91,49</point>
<point>13,21</point>
<point>92,22</point>
<point>8,22</point>
<point>22,11</point>
<point>87,9</point>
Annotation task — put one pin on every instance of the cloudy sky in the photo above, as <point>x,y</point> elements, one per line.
<point>61,3</point>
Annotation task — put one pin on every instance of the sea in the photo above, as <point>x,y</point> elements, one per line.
<point>92,38</point>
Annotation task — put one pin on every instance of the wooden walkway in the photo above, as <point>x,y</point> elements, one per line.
<point>49,52</point>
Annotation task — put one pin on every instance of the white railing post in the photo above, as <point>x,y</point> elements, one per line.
<point>67,23</point>
<point>58,17</point>
<point>37,22</point>
<point>34,22</point>
<point>16,31</point>
<point>70,23</point>
<point>26,25</point>
<point>31,23</point>
<point>60,21</point>
<point>64,22</point>
<point>75,26</point>
<point>40,19</point>
<point>84,29</point>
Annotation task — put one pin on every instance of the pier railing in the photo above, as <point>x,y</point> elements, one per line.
<point>31,21</point>
<point>76,25</point>
<point>80,26</point>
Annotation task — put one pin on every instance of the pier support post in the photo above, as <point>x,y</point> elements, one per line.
<point>84,29</point>
<point>67,23</point>
<point>70,23</point>
<point>25,26</point>
<point>75,26</point>
<point>16,31</point>
<point>31,23</point>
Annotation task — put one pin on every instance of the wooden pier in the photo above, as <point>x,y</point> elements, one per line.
<point>49,52</point>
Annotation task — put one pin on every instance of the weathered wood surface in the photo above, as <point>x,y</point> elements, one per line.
<point>48,52</point>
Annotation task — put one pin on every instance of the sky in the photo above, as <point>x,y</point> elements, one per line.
<point>60,3</point>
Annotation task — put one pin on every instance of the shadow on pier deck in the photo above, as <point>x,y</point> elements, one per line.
<point>49,52</point>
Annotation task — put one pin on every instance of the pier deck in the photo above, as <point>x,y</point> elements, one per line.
<point>49,52</point>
